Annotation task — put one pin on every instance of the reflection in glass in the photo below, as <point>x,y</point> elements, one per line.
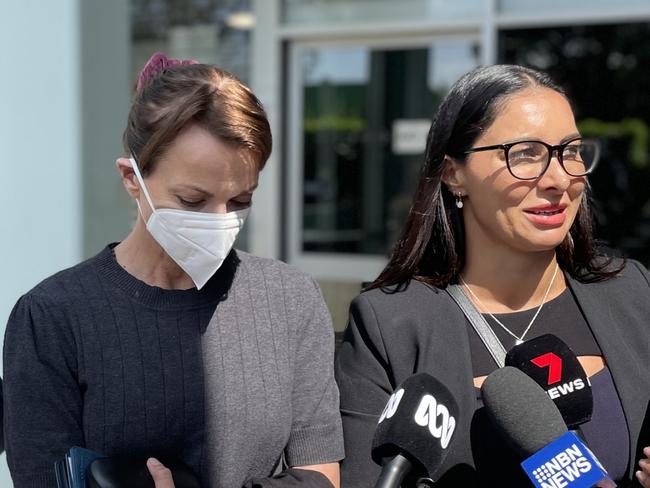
<point>361,11</point>
<point>528,160</point>
<point>366,115</point>
<point>554,6</point>
<point>212,31</point>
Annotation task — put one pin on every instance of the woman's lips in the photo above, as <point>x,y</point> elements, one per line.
<point>548,216</point>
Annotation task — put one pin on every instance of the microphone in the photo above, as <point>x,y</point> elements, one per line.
<point>553,365</point>
<point>531,424</point>
<point>414,430</point>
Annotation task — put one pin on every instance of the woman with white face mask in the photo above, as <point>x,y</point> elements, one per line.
<point>171,343</point>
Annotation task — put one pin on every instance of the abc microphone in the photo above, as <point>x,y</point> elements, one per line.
<point>530,422</point>
<point>552,364</point>
<point>414,430</point>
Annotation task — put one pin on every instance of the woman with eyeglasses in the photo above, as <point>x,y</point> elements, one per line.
<point>502,216</point>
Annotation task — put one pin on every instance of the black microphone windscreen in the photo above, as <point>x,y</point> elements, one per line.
<point>418,422</point>
<point>552,364</point>
<point>521,411</point>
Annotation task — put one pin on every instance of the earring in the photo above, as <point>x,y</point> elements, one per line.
<point>459,200</point>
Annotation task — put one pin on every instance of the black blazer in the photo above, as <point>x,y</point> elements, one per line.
<point>394,334</point>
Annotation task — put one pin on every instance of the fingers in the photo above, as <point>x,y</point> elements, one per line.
<point>606,483</point>
<point>643,475</point>
<point>162,476</point>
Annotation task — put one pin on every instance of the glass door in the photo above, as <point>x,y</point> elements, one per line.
<point>360,113</point>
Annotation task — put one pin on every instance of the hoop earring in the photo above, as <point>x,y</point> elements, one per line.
<point>459,200</point>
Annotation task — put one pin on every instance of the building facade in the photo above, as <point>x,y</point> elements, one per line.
<point>350,87</point>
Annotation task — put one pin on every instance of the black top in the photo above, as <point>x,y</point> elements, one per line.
<point>561,317</point>
<point>133,378</point>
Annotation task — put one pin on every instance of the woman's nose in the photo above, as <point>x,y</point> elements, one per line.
<point>555,176</point>
<point>218,208</point>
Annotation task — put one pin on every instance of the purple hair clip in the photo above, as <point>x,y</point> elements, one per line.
<point>157,63</point>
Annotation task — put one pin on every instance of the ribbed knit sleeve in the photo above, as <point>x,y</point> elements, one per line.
<point>316,432</point>
<point>43,403</point>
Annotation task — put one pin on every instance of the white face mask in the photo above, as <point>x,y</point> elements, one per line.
<point>197,241</point>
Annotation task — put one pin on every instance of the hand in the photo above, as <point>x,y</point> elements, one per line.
<point>643,475</point>
<point>606,483</point>
<point>162,477</point>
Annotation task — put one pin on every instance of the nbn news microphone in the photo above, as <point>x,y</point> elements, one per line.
<point>414,431</point>
<point>530,423</point>
<point>552,364</point>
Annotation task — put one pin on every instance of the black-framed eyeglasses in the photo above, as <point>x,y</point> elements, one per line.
<point>528,160</point>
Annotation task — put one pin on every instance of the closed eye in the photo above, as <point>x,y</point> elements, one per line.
<point>191,203</point>
<point>240,204</point>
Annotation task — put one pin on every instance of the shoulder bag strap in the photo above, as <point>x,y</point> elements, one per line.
<point>479,323</point>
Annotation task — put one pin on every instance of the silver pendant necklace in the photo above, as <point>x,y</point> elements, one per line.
<point>518,340</point>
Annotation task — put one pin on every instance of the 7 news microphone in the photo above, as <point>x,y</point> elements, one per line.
<point>529,421</point>
<point>414,431</point>
<point>552,365</point>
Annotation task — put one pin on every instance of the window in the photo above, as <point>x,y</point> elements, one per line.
<point>212,31</point>
<point>368,11</point>
<point>366,113</point>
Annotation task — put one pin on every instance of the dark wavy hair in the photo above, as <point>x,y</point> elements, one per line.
<point>431,247</point>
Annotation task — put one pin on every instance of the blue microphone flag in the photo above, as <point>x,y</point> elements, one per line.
<point>564,463</point>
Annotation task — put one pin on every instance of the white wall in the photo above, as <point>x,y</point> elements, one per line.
<point>39,147</point>
<point>39,141</point>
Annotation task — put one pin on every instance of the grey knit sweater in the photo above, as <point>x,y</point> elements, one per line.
<point>232,379</point>
<point>268,357</point>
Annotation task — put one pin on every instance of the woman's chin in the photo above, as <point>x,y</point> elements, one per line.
<point>548,243</point>
<point>535,239</point>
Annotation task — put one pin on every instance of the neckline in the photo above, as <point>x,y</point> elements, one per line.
<point>526,311</point>
<point>214,290</point>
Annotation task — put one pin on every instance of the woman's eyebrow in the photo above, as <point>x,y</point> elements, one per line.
<point>570,137</point>
<point>192,188</point>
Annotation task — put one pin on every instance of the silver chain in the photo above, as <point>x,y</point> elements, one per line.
<point>519,340</point>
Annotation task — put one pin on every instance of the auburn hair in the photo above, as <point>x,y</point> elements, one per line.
<point>173,94</point>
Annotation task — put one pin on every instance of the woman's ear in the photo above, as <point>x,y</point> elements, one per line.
<point>128,177</point>
<point>452,175</point>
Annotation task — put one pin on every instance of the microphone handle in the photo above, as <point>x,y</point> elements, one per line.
<point>393,472</point>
